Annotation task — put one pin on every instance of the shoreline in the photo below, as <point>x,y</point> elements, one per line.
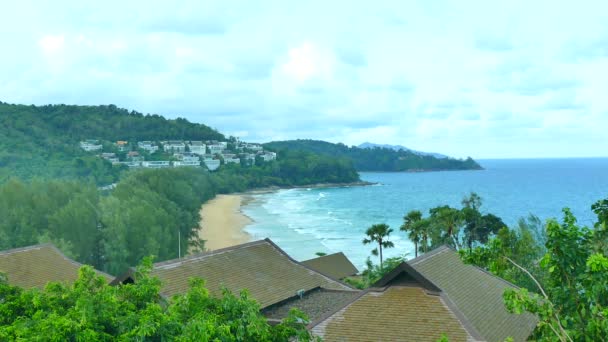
<point>270,189</point>
<point>223,223</point>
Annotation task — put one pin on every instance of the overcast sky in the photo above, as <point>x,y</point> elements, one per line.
<point>479,78</point>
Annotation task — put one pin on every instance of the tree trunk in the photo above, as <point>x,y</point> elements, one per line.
<point>380,245</point>
<point>416,249</point>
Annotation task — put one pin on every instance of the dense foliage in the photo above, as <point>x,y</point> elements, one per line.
<point>458,228</point>
<point>43,141</point>
<point>150,212</point>
<point>147,213</point>
<point>377,159</point>
<point>91,310</point>
<point>292,168</point>
<point>564,281</point>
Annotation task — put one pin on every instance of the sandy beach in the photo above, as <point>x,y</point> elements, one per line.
<point>222,222</point>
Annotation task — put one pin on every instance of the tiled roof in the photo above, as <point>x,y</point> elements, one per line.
<point>315,303</point>
<point>397,313</point>
<point>261,267</point>
<point>476,294</point>
<point>334,265</point>
<point>35,266</point>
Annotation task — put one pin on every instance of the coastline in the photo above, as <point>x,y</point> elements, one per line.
<point>265,190</point>
<point>222,222</point>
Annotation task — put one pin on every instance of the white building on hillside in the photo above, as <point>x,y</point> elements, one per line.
<point>156,164</point>
<point>231,158</point>
<point>149,146</point>
<point>254,147</point>
<point>268,156</point>
<point>197,147</point>
<point>212,164</point>
<point>215,148</point>
<point>190,163</point>
<point>174,146</point>
<point>90,145</point>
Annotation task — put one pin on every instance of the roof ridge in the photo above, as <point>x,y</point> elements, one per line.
<point>58,251</point>
<point>324,256</point>
<point>280,250</point>
<point>445,248</point>
<point>460,316</point>
<point>430,254</point>
<point>203,255</point>
<point>26,248</point>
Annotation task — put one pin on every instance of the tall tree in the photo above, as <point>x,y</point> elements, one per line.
<point>379,233</point>
<point>447,222</point>
<point>411,227</point>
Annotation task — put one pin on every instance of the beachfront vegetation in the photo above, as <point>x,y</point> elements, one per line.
<point>563,273</point>
<point>561,268</point>
<point>376,159</point>
<point>92,310</point>
<point>150,212</point>
<point>458,228</point>
<point>48,184</point>
<point>379,233</point>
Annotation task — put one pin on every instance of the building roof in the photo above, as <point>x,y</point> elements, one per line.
<point>395,313</point>
<point>261,267</point>
<point>334,265</point>
<point>477,294</point>
<point>35,266</point>
<point>315,303</point>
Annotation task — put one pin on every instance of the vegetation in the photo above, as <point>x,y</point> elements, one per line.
<point>563,281</point>
<point>373,272</point>
<point>377,159</point>
<point>43,141</point>
<point>379,233</point>
<point>91,310</point>
<point>457,228</point>
<point>561,268</point>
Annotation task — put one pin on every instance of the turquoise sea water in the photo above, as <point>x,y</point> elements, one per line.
<point>305,221</point>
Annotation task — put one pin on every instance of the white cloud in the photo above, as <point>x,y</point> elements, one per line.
<point>432,75</point>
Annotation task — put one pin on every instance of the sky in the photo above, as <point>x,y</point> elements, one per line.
<point>487,79</point>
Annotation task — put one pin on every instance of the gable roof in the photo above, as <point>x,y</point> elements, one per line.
<point>334,265</point>
<point>35,266</point>
<point>261,267</point>
<point>477,294</point>
<point>395,313</point>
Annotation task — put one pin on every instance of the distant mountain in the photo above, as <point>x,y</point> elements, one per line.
<point>378,158</point>
<point>399,148</point>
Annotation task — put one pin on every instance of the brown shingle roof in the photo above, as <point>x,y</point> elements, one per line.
<point>315,303</point>
<point>476,294</point>
<point>334,265</point>
<point>35,266</point>
<point>397,313</point>
<point>261,267</point>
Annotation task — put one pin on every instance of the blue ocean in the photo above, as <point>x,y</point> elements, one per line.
<point>306,221</point>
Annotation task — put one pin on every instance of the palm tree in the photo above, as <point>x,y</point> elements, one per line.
<point>448,220</point>
<point>410,226</point>
<point>379,233</point>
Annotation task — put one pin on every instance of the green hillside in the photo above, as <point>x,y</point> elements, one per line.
<point>377,159</point>
<point>42,141</point>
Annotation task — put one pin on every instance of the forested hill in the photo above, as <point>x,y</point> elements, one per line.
<point>42,141</point>
<point>69,123</point>
<point>377,159</point>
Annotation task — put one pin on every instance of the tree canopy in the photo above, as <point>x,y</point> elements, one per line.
<point>92,310</point>
<point>376,159</point>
